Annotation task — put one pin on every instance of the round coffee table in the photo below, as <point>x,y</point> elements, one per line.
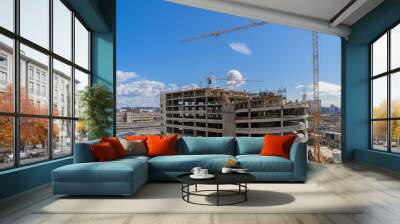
<point>238,179</point>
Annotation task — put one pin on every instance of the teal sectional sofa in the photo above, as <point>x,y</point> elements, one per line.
<point>125,176</point>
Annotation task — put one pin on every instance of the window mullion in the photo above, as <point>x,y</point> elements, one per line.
<point>371,137</point>
<point>389,103</point>
<point>16,69</point>
<point>73,81</point>
<point>50,81</point>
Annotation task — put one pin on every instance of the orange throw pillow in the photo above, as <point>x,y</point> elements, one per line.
<point>116,145</point>
<point>136,137</point>
<point>161,145</point>
<point>275,145</point>
<point>103,152</point>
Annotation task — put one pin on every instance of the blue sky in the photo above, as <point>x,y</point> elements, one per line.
<point>151,58</point>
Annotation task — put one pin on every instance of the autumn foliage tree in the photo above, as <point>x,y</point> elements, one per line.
<point>380,127</point>
<point>33,131</point>
<point>6,122</point>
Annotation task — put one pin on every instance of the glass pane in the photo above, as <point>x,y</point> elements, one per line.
<point>395,47</point>
<point>35,21</point>
<point>7,14</point>
<point>81,45</point>
<point>34,97</point>
<point>81,81</point>
<point>62,89</point>
<point>6,74</point>
<point>81,131</point>
<point>395,94</point>
<point>62,138</point>
<point>379,56</point>
<point>379,97</point>
<point>379,135</point>
<point>395,136</point>
<point>33,139</point>
<point>62,29</point>
<point>6,142</point>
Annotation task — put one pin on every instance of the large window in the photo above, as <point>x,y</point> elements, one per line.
<point>385,91</point>
<point>40,80</point>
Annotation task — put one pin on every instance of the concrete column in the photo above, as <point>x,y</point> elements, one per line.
<point>228,116</point>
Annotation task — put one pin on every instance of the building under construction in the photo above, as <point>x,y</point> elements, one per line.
<point>221,112</point>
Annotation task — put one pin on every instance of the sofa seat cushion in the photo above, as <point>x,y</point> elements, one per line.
<point>257,163</point>
<point>113,171</point>
<point>185,163</point>
<point>134,157</point>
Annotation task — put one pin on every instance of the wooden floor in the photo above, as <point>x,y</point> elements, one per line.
<point>377,188</point>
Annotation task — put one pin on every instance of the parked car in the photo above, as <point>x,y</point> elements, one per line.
<point>22,155</point>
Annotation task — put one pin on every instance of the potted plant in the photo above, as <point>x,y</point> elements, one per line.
<point>96,103</point>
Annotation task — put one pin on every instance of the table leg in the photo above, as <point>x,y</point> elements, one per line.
<point>182,189</point>
<point>195,188</point>
<point>245,193</point>
<point>188,190</point>
<point>217,194</point>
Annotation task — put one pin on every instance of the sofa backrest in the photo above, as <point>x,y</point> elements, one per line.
<point>249,145</point>
<point>191,146</point>
<point>83,152</point>
<point>206,145</point>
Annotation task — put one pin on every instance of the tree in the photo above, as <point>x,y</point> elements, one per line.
<point>33,131</point>
<point>97,104</point>
<point>395,123</point>
<point>6,122</point>
<point>380,127</point>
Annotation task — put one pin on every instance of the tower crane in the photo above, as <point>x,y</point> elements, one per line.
<point>225,31</point>
<point>316,102</point>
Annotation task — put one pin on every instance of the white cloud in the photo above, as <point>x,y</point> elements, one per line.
<point>241,48</point>
<point>142,92</point>
<point>299,86</point>
<point>329,93</point>
<point>329,89</point>
<point>191,86</point>
<point>123,76</point>
<point>144,88</point>
<point>325,89</point>
<point>140,101</point>
<point>235,78</point>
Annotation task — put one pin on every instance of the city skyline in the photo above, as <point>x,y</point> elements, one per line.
<point>148,65</point>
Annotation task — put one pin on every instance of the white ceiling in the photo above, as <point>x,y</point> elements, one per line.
<point>318,15</point>
<point>321,9</point>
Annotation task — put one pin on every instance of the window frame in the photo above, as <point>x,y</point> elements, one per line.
<point>16,114</point>
<point>388,74</point>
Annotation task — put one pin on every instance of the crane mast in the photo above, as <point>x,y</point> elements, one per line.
<point>316,102</point>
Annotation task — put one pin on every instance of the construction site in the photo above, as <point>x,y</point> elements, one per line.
<point>221,112</point>
<point>241,115</point>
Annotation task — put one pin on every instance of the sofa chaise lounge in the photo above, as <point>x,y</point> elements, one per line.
<point>125,176</point>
